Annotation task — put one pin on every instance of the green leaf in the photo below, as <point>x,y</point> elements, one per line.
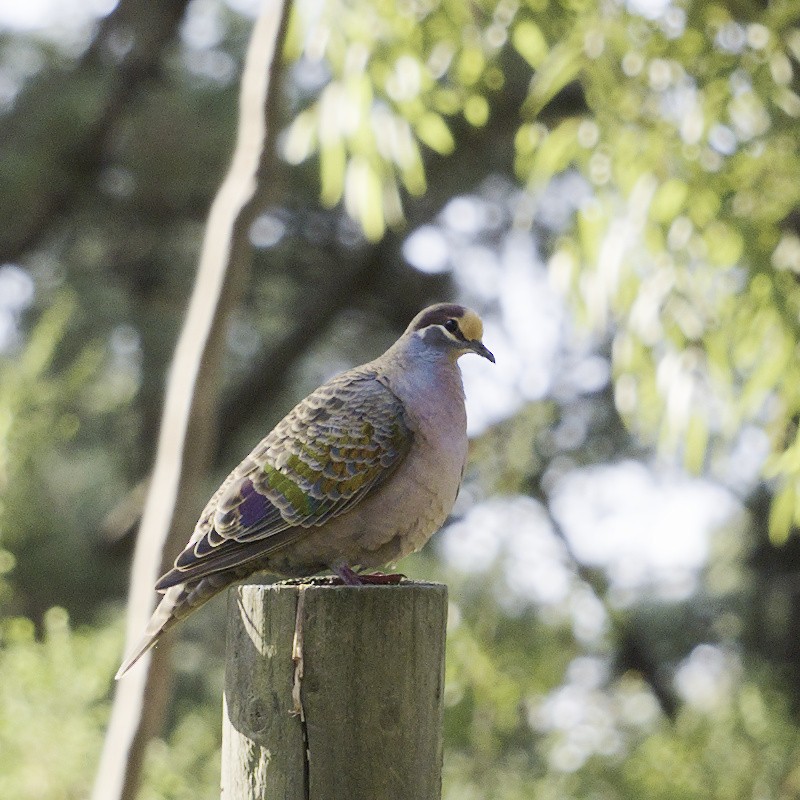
<point>771,364</point>
<point>301,138</point>
<point>703,206</point>
<point>725,244</point>
<point>412,175</point>
<point>668,200</point>
<point>530,43</point>
<point>781,513</point>
<point>592,224</point>
<point>364,197</point>
<point>433,131</point>
<point>696,444</point>
<point>471,65</point>
<point>476,110</point>
<point>46,336</point>
<point>556,151</point>
<point>560,67</point>
<point>332,162</point>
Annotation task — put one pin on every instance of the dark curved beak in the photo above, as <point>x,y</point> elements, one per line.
<point>477,346</point>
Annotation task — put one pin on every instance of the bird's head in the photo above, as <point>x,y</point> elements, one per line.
<point>452,329</point>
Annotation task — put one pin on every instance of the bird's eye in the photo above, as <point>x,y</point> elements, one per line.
<point>451,325</point>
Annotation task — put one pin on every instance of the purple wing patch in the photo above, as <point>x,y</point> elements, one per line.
<point>254,506</point>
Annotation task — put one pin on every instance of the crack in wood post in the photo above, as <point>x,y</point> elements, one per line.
<point>297,685</point>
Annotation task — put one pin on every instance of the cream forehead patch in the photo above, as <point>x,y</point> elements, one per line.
<point>471,325</point>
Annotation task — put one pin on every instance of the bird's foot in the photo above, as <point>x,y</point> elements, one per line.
<point>349,577</point>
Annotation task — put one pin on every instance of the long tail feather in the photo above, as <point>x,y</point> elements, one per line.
<point>177,603</point>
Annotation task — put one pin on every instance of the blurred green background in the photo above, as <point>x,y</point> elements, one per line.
<point>614,186</point>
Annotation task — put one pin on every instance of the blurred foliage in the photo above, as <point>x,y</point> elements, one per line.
<point>54,695</point>
<point>187,766</point>
<point>56,406</point>
<point>688,241</point>
<point>671,130</point>
<point>395,79</point>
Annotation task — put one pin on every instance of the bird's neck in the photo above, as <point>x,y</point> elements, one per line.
<point>424,372</point>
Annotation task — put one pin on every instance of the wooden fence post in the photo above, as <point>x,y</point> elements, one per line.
<point>334,692</point>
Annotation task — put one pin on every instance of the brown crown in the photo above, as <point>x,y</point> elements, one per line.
<point>436,315</point>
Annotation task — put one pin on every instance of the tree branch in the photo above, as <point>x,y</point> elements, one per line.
<point>186,438</point>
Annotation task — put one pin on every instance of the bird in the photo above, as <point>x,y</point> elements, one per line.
<point>357,475</point>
